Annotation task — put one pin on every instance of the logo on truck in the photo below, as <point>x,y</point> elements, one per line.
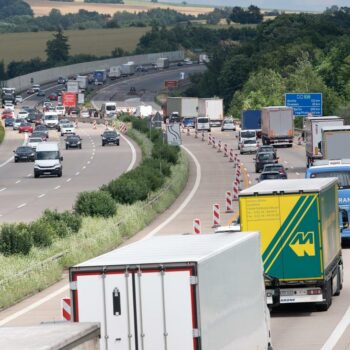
<point>303,244</point>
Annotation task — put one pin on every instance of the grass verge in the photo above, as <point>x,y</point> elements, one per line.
<point>2,133</point>
<point>21,276</point>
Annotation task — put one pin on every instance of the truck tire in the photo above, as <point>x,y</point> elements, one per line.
<point>324,306</point>
<point>339,281</point>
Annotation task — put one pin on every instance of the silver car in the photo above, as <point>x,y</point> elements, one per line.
<point>248,146</point>
<point>228,124</point>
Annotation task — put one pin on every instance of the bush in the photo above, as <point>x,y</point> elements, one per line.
<point>54,219</point>
<point>72,220</point>
<point>140,125</point>
<point>158,164</point>
<point>150,175</point>
<point>15,239</point>
<point>168,153</point>
<point>96,203</point>
<point>2,133</point>
<point>42,233</point>
<point>125,117</point>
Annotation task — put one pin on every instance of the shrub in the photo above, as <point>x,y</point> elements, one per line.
<point>150,175</point>
<point>42,233</point>
<point>2,133</point>
<point>166,152</point>
<point>15,239</point>
<point>72,220</point>
<point>54,219</point>
<point>140,125</point>
<point>158,164</point>
<point>125,117</point>
<point>96,203</point>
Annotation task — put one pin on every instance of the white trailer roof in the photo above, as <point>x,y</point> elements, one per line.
<point>336,128</point>
<point>289,186</point>
<point>330,117</point>
<point>171,249</point>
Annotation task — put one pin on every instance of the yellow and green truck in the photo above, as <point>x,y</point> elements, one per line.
<point>300,238</point>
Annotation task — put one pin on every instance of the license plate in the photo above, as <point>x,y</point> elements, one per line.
<point>47,172</point>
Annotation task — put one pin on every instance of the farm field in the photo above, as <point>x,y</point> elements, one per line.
<point>24,46</point>
<point>43,7</point>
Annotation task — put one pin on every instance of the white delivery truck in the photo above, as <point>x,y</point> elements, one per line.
<point>180,292</point>
<point>313,135</point>
<point>82,81</point>
<point>277,126</point>
<point>48,160</point>
<point>128,68</point>
<point>162,63</point>
<point>114,72</point>
<point>185,107</point>
<point>212,108</point>
<point>143,111</point>
<point>108,109</point>
<point>73,86</point>
<point>336,142</point>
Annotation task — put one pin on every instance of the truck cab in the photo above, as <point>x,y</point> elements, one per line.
<point>48,160</point>
<point>341,170</point>
<point>108,109</point>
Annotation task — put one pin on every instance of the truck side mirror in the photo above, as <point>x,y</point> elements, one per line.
<point>343,219</point>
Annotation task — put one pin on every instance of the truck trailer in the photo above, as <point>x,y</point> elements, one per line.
<point>114,72</point>
<point>313,135</point>
<point>300,238</point>
<point>212,108</point>
<point>336,142</point>
<point>127,69</point>
<point>162,63</point>
<point>185,107</point>
<point>100,76</point>
<point>277,126</point>
<point>185,292</point>
<point>251,120</point>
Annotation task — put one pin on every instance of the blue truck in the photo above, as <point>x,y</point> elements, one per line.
<point>100,76</point>
<point>251,120</point>
<point>341,170</point>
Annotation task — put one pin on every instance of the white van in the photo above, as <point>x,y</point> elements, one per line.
<point>202,123</point>
<point>48,160</point>
<point>245,135</point>
<point>51,119</point>
<point>108,109</point>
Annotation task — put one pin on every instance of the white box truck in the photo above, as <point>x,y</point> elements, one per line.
<point>82,81</point>
<point>212,108</point>
<point>277,126</point>
<point>162,63</point>
<point>144,111</point>
<point>185,107</point>
<point>128,68</point>
<point>313,135</point>
<point>336,142</point>
<point>114,72</point>
<point>180,292</point>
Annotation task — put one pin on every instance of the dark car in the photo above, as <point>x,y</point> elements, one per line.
<point>93,112</point>
<point>42,128</point>
<point>24,153</point>
<point>264,158</point>
<point>9,121</point>
<point>270,175</point>
<point>41,93</point>
<point>276,167</point>
<point>53,96</point>
<point>266,148</point>
<point>61,80</point>
<point>188,123</point>
<point>73,141</point>
<point>73,111</point>
<point>40,134</point>
<point>110,136</point>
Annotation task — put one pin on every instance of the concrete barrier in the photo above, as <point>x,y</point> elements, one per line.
<point>24,82</point>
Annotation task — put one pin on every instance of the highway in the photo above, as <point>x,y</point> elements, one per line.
<point>211,175</point>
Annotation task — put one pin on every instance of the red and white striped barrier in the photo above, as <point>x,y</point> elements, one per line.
<point>228,201</point>
<point>197,226</point>
<point>209,139</point>
<point>213,141</point>
<point>219,146</point>
<point>94,124</point>
<point>66,309</point>
<point>225,150</point>
<point>232,157</point>
<point>188,131</point>
<point>299,140</point>
<point>123,128</point>
<point>216,215</point>
<point>106,124</point>
<point>235,191</point>
<point>202,135</point>
<point>196,134</point>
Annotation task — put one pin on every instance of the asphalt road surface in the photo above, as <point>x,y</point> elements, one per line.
<point>211,174</point>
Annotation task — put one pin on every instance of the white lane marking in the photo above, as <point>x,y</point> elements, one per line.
<point>41,195</point>
<point>3,189</point>
<point>292,167</point>
<point>88,162</point>
<point>21,205</point>
<point>29,175</point>
<point>57,187</point>
<point>84,167</point>
<point>133,153</point>
<point>297,174</point>
<point>18,181</point>
<point>285,162</point>
<point>92,157</point>
<point>187,199</point>
<point>68,180</point>
<point>33,306</point>
<point>338,332</point>
<point>77,173</point>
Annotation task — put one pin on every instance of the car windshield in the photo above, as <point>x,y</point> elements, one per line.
<point>248,134</point>
<point>270,176</point>
<point>203,120</point>
<point>110,133</point>
<point>47,155</point>
<point>265,156</point>
<point>275,167</point>
<point>110,108</point>
<point>50,117</point>
<point>67,125</point>
<point>25,124</point>
<point>250,142</point>
<point>342,175</point>
<point>73,138</point>
<point>24,150</point>
<point>34,139</point>
<point>228,121</point>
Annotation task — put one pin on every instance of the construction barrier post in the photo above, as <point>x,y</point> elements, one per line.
<point>196,134</point>
<point>235,191</point>
<point>231,159</point>
<point>216,215</point>
<point>188,131</point>
<point>197,226</point>
<point>94,124</point>
<point>209,139</point>
<point>219,146</point>
<point>228,201</point>
<point>66,309</point>
<point>202,135</point>
<point>213,141</point>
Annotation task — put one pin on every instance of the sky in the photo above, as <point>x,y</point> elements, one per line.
<point>302,5</point>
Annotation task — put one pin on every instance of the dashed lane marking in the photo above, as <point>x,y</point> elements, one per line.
<point>21,205</point>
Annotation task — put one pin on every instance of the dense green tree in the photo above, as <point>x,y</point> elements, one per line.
<point>251,15</point>
<point>57,49</point>
<point>11,8</point>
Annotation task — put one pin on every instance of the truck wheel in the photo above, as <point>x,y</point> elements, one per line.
<point>339,278</point>
<point>324,306</point>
